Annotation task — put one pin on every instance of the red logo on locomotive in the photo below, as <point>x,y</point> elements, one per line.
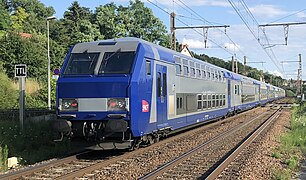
<point>145,106</point>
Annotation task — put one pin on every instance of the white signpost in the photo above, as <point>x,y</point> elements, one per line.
<point>21,73</point>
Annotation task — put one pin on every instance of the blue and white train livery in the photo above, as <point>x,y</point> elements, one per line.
<point>130,90</point>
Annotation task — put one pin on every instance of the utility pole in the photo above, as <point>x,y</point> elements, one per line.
<point>244,64</point>
<point>299,78</point>
<point>172,31</point>
<point>173,28</point>
<point>236,66</point>
<point>233,64</point>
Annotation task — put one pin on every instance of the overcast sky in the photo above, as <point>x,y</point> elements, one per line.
<point>238,39</point>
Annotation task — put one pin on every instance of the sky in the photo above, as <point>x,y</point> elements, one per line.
<point>263,47</point>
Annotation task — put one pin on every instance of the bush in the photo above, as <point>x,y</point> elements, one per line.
<point>3,157</point>
<point>8,95</point>
<point>34,143</point>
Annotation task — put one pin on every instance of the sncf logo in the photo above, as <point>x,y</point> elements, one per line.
<point>145,106</point>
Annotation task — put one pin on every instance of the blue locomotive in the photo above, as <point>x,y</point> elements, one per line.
<point>131,90</point>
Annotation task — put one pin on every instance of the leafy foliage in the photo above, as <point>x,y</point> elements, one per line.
<point>8,96</point>
<point>79,24</point>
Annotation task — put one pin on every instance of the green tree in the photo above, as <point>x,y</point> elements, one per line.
<point>4,20</point>
<point>18,18</point>
<point>37,14</point>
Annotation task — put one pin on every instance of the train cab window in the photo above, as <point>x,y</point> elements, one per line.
<point>81,63</point>
<point>148,67</point>
<point>199,101</point>
<point>117,62</point>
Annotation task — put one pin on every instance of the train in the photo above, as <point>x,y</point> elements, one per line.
<point>128,90</point>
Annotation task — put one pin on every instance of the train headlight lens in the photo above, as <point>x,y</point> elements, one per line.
<point>117,104</point>
<point>68,105</point>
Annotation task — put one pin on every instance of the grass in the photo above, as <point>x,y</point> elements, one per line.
<point>33,144</point>
<point>293,145</point>
<point>31,86</point>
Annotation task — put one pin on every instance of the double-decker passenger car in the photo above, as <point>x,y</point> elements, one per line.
<point>130,90</point>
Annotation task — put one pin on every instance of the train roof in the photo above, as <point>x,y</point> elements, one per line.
<point>157,52</point>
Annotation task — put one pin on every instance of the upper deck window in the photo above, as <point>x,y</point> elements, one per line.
<point>81,63</point>
<point>117,62</point>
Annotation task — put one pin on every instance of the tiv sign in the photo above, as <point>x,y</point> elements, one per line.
<point>20,70</point>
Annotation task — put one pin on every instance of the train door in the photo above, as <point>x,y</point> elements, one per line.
<point>235,93</point>
<point>161,96</point>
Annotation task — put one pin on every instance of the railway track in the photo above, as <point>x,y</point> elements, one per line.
<point>203,161</point>
<point>141,163</point>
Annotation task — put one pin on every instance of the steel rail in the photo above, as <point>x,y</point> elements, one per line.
<point>219,169</point>
<point>154,174</point>
<point>30,170</point>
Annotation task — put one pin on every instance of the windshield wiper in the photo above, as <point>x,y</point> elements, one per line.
<point>118,50</point>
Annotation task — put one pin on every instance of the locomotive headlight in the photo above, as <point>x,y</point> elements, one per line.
<point>117,104</point>
<point>68,105</point>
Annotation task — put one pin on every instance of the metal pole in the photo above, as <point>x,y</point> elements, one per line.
<point>236,66</point>
<point>49,83</point>
<point>233,64</point>
<point>21,101</point>
<point>300,73</point>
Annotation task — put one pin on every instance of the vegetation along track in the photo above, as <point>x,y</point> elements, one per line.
<point>121,164</point>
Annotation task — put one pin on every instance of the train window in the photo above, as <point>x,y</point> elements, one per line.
<point>164,84</point>
<point>199,101</point>
<point>177,103</point>
<point>209,101</point>
<point>185,62</point>
<point>181,103</point>
<point>204,104</point>
<point>212,75</point>
<point>191,64</point>
<point>185,70</point>
<point>192,72</point>
<point>117,62</point>
<point>148,67</point>
<point>203,74</point>
<point>159,84</point>
<point>177,60</point>
<point>81,63</point>
<point>208,74</point>
<point>197,65</point>
<point>198,73</point>
<point>213,97</point>
<point>178,69</point>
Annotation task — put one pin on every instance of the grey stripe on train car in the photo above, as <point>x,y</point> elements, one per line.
<point>153,99</point>
<point>92,104</point>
